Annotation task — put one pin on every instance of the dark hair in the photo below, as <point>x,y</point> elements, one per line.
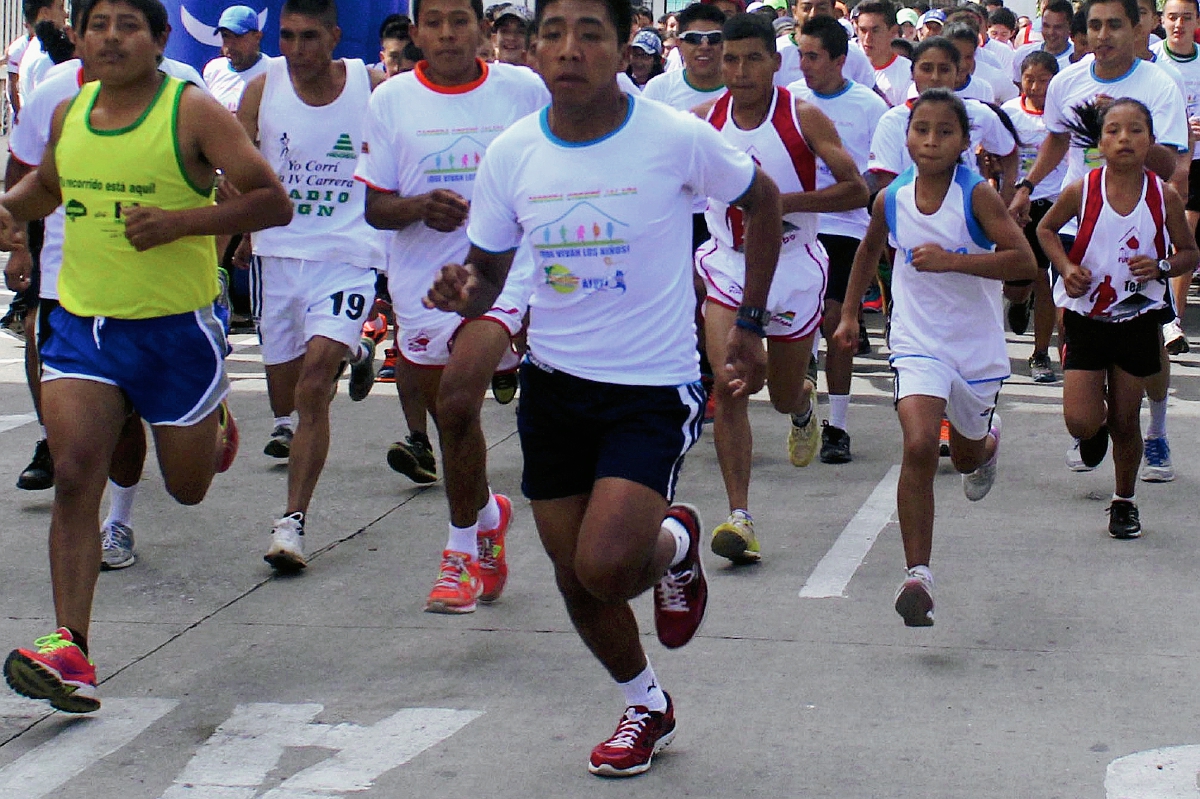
<point>152,10</point>
<point>642,11</point>
<point>976,9</point>
<point>1132,13</point>
<point>1002,16</point>
<point>699,12</point>
<point>937,43</point>
<point>1079,22</point>
<point>396,30</point>
<point>55,42</point>
<point>750,26</point>
<point>1040,58</point>
<point>964,17</point>
<point>412,52</point>
<point>30,9</point>
<point>389,21</point>
<point>900,43</point>
<point>476,6</point>
<point>1196,3</point>
<point>960,32</point>
<point>620,14</point>
<point>833,36</point>
<point>945,97</point>
<point>1088,124</point>
<point>1060,7</point>
<point>883,9</point>
<point>325,11</point>
<point>1006,121</point>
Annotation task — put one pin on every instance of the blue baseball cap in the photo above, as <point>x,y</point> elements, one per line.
<point>648,42</point>
<point>238,20</point>
<point>932,15</point>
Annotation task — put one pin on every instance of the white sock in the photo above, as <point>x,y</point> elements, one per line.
<point>1158,419</point>
<point>283,421</point>
<point>359,355</point>
<point>120,509</point>
<point>1116,498</point>
<point>489,514</point>
<point>916,571</point>
<point>816,345</point>
<point>44,435</point>
<point>463,539</point>
<point>682,539</point>
<point>643,690</point>
<point>839,404</point>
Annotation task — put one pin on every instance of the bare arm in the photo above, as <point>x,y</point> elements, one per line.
<point>866,263</point>
<point>1076,279</point>
<point>1050,154</point>
<point>441,209</point>
<point>247,112</point>
<point>470,289</point>
<point>1187,255</point>
<point>850,190</point>
<point>1011,260</point>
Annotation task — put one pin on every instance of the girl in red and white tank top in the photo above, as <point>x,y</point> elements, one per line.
<point>1111,284</point>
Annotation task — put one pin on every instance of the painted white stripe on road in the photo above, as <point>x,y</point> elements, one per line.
<point>13,421</point>
<point>79,743</point>
<point>1167,773</point>
<point>835,570</point>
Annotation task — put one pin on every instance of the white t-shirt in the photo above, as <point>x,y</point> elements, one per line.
<point>1002,52</point>
<point>674,61</point>
<point>227,84</point>
<point>1003,89</point>
<point>1063,58</point>
<point>611,229</point>
<point>893,80</point>
<point>423,137</point>
<point>626,83</point>
<point>1189,70</point>
<point>673,89</point>
<point>857,67</point>
<point>34,66</point>
<point>889,147</point>
<point>855,111</point>
<point>1031,130</point>
<point>15,50</point>
<point>1144,81</point>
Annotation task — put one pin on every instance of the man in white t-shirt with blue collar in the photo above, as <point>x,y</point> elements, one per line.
<point>241,59</point>
<point>600,185</point>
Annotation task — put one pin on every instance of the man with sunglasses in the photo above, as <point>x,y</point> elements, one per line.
<point>700,46</point>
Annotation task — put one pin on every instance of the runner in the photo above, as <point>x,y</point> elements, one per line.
<point>858,67</point>
<point>1026,113</point>
<point>316,277</point>
<point>1112,283</point>
<point>1056,38</point>
<point>876,26</point>
<point>785,136</point>
<point>428,131</point>
<point>700,79</point>
<point>954,242</point>
<point>610,398</point>
<point>241,59</point>
<point>155,345</point>
<point>855,111</point>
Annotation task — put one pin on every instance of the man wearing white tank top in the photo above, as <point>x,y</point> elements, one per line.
<point>427,133</point>
<point>785,137</point>
<point>317,277</point>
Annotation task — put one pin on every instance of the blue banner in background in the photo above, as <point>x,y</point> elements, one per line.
<point>194,39</point>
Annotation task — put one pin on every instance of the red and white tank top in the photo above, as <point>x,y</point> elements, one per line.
<point>779,150</point>
<point>1107,241</point>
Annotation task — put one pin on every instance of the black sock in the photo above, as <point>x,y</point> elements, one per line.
<point>80,640</point>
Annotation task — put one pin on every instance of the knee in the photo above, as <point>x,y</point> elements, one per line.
<point>1082,424</point>
<point>921,453</point>
<point>606,580</point>
<point>313,392</point>
<point>457,408</point>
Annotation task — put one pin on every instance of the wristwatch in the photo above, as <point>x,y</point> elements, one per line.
<point>758,316</point>
<point>1164,267</point>
<point>1024,183</point>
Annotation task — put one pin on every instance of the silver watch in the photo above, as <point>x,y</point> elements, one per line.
<point>1164,267</point>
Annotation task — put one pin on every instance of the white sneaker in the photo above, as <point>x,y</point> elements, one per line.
<point>1156,465</point>
<point>1174,339</point>
<point>978,483</point>
<point>1075,460</point>
<point>286,553</point>
<point>116,546</point>
<point>914,599</point>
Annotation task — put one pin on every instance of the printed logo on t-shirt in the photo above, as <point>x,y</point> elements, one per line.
<point>456,162</point>
<point>584,231</point>
<point>343,148</point>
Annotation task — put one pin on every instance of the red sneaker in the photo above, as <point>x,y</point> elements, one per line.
<point>376,326</point>
<point>227,438</point>
<point>944,439</point>
<point>493,568</point>
<point>457,585</point>
<point>681,596</point>
<point>387,372</point>
<point>640,735</point>
<point>58,671</point>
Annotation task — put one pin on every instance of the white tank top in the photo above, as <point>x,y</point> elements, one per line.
<point>779,150</point>
<point>955,318</point>
<point>314,150</point>
<point>1105,243</point>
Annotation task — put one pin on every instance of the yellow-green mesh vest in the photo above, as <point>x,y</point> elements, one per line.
<point>101,173</point>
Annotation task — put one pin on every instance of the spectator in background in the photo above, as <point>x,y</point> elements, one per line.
<point>241,58</point>
<point>1056,37</point>
<point>645,57</point>
<point>906,19</point>
<point>511,26</point>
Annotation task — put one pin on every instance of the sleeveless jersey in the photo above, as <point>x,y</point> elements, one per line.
<point>314,150</point>
<point>1105,243</point>
<point>102,172</point>
<point>953,317</point>
<point>779,150</point>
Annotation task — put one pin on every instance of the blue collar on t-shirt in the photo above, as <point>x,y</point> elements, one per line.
<point>544,118</point>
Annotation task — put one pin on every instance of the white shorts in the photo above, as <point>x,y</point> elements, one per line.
<point>298,299</point>
<point>969,405</point>
<point>797,297</point>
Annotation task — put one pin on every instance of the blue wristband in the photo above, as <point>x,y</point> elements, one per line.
<point>746,324</point>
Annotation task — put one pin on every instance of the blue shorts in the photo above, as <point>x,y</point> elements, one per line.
<point>172,368</point>
<point>576,431</point>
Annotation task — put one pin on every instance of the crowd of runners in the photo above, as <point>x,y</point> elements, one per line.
<point>608,215</point>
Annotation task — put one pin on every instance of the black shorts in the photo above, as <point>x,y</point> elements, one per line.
<point>841,251</point>
<point>1132,345</point>
<point>44,308</point>
<point>575,431</point>
<point>1193,198</point>
<point>700,232</point>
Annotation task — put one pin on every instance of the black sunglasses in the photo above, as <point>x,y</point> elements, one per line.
<point>699,37</point>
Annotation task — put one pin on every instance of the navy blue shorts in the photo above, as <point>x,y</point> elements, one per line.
<point>575,431</point>
<point>172,368</point>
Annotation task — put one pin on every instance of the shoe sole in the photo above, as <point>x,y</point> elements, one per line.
<point>405,464</point>
<point>1046,379</point>
<point>105,566</point>
<point>835,457</point>
<point>360,386</point>
<point>1123,536</point>
<point>1178,347</point>
<point>274,449</point>
<point>34,485</point>
<point>732,546</point>
<point>285,562</point>
<point>606,770</point>
<point>229,443</point>
<point>1157,474</point>
<point>452,610</point>
<point>914,607</point>
<point>34,680</point>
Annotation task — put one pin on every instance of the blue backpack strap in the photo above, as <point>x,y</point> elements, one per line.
<point>889,196</point>
<point>967,180</point>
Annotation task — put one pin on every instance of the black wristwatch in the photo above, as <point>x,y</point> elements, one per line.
<point>1024,183</point>
<point>757,316</point>
<point>1164,267</point>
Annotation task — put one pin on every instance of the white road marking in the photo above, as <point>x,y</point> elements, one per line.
<point>80,742</point>
<point>835,570</point>
<point>243,751</point>
<point>1172,772</point>
<point>15,420</point>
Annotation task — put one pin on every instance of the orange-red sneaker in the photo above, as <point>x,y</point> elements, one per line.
<point>457,587</point>
<point>57,671</point>
<point>376,326</point>
<point>227,437</point>
<point>493,568</point>
<point>387,372</point>
<point>944,439</point>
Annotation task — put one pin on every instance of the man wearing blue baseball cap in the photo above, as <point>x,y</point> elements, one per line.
<point>931,23</point>
<point>240,61</point>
